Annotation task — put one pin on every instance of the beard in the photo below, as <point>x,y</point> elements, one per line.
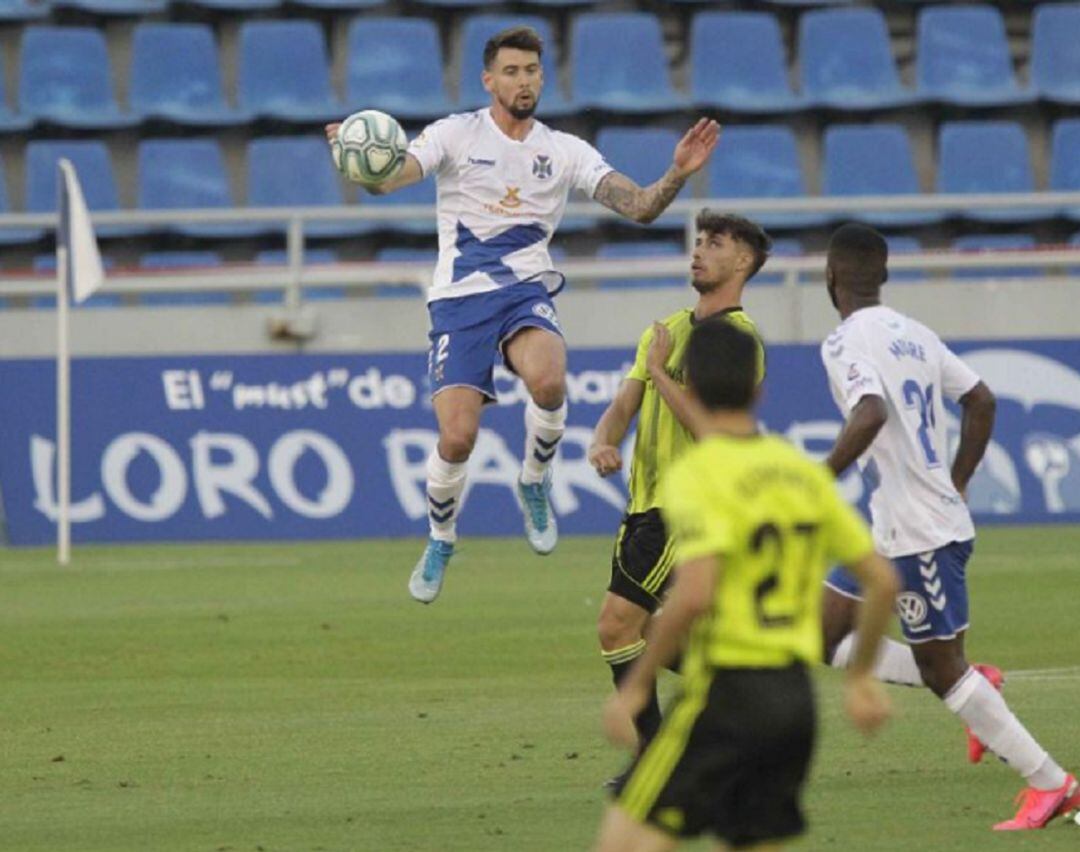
<point>703,287</point>
<point>522,112</point>
<point>832,296</point>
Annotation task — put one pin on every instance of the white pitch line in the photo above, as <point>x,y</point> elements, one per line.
<point>1065,673</point>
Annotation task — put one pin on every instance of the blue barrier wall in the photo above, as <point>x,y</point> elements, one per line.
<point>333,446</point>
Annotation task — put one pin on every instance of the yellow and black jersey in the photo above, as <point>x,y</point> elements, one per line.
<point>777,521</point>
<point>660,437</point>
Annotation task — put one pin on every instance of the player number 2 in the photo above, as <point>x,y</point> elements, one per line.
<point>769,537</point>
<point>923,399</point>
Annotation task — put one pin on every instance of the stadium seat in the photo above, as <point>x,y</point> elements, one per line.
<point>294,90</point>
<point>987,156</point>
<point>296,172</point>
<point>904,245</point>
<point>65,79</point>
<point>963,57</point>
<point>94,168</point>
<point>24,10</point>
<point>422,192</point>
<point>458,3</point>
<point>1065,161</point>
<point>737,63</point>
<point>179,174</point>
<point>476,31</point>
<point>234,5</point>
<point>643,154</point>
<point>761,162</point>
<point>114,7</point>
<point>175,75</point>
<point>873,160</point>
<point>846,60</point>
<point>180,261</point>
<point>14,236</point>
<point>47,263</point>
<point>996,242</point>
<point>1055,60</point>
<point>783,247</point>
<point>619,64</point>
<point>396,65</point>
<point>641,249</point>
<point>313,256</point>
<point>340,4</point>
<point>400,254</point>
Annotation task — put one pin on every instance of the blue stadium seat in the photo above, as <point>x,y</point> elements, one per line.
<point>422,192</point>
<point>396,65</point>
<point>963,57</point>
<point>643,154</point>
<point>846,60</point>
<point>1055,60</point>
<point>47,263</point>
<point>340,4</point>
<point>904,245</point>
<point>737,63</point>
<point>179,174</point>
<point>399,254</point>
<point>873,160</point>
<point>175,75</point>
<point>279,257</point>
<point>294,90</point>
<point>234,5</point>
<point>1065,161</point>
<point>14,236</point>
<point>783,247</point>
<point>459,3</point>
<point>296,172</point>
<point>619,64</point>
<point>996,242</point>
<point>181,261</point>
<point>987,156</point>
<point>761,162</point>
<point>65,79</point>
<point>476,31</point>
<point>641,249</point>
<point>24,10</point>
<point>115,7</point>
<point>94,168</point>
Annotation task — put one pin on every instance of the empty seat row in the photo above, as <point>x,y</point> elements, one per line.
<point>759,161</point>
<point>618,63</point>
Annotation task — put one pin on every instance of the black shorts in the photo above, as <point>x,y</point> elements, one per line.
<point>730,758</point>
<point>642,561</point>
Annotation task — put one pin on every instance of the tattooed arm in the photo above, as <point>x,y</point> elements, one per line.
<point>643,204</point>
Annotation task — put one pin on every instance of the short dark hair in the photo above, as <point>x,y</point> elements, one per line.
<point>520,38</point>
<point>739,228</point>
<point>721,364</point>
<point>858,256</point>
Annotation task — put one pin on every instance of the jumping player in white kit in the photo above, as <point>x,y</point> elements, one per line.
<point>503,179</point>
<point>889,376</point>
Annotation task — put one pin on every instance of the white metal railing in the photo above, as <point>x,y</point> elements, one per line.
<point>294,274</point>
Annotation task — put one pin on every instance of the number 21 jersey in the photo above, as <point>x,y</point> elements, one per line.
<point>879,352</point>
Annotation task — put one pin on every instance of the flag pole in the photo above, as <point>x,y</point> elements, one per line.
<point>63,411</point>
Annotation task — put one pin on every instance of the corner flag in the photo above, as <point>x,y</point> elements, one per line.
<point>78,274</point>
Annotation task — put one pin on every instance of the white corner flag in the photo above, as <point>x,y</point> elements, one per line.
<point>78,267</point>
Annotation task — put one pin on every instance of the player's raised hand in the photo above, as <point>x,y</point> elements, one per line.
<point>605,459</point>
<point>866,702</point>
<point>695,148</point>
<point>659,348</point>
<point>331,131</point>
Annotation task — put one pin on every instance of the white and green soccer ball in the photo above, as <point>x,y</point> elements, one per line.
<point>370,147</point>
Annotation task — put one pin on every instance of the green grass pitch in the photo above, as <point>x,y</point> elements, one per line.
<point>292,697</point>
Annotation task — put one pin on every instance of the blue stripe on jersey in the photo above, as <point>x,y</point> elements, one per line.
<point>486,256</point>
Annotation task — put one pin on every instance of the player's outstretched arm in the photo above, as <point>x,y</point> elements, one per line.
<point>643,204</point>
<point>690,413</point>
<point>976,426</point>
<point>409,173</point>
<point>612,426</point>
<point>866,420</point>
<point>865,700</point>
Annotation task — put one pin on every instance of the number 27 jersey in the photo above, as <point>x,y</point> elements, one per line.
<point>879,352</point>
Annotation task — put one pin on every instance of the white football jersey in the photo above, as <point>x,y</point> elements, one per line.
<point>500,200</point>
<point>913,504</point>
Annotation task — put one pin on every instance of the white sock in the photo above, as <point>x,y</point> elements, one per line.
<point>445,482</point>
<point>895,663</point>
<point>543,431</point>
<point>974,699</point>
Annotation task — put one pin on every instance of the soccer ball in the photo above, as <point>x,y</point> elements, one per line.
<point>370,147</point>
